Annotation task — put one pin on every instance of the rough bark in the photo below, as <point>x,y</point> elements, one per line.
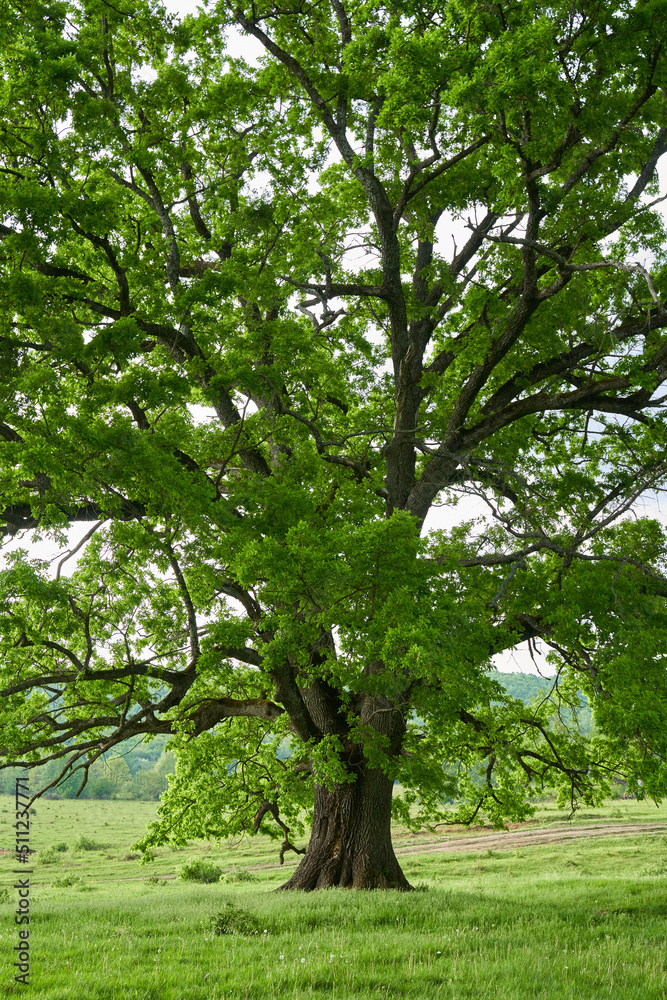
<point>350,844</point>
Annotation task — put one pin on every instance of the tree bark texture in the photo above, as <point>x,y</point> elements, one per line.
<point>350,844</point>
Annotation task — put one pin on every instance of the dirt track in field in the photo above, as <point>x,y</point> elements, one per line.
<point>482,841</point>
<point>507,840</point>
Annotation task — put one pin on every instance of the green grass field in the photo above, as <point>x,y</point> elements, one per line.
<point>586,918</point>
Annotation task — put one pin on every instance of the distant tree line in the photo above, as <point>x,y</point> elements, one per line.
<point>140,772</point>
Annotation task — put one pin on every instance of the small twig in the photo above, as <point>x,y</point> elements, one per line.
<point>72,552</point>
<point>493,603</point>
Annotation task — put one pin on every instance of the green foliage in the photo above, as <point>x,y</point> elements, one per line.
<point>243,368</point>
<point>239,875</point>
<point>199,870</point>
<point>50,856</point>
<point>67,881</point>
<point>234,919</point>
<point>142,773</point>
<point>84,843</point>
<point>525,687</point>
<point>531,688</point>
<point>155,881</point>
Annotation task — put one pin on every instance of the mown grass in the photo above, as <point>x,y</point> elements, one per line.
<point>577,919</point>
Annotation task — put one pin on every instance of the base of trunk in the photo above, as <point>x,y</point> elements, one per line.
<point>350,844</point>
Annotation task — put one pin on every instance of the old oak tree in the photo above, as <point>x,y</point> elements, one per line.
<point>258,319</point>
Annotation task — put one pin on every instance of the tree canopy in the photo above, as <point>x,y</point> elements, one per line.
<point>258,321</point>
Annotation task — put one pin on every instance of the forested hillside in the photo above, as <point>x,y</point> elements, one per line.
<point>523,686</point>
<point>140,772</point>
<point>526,687</point>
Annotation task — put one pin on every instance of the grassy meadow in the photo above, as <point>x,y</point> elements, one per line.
<point>585,918</point>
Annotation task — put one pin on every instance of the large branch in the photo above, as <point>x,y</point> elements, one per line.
<point>410,192</point>
<point>19,517</point>
<point>205,716</point>
<point>588,395</point>
<point>591,158</point>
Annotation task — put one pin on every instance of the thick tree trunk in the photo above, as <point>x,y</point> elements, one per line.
<point>350,844</point>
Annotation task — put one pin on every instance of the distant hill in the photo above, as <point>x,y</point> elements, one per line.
<point>525,687</point>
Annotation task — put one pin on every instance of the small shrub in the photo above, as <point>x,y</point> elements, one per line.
<point>239,875</point>
<point>233,919</point>
<point>49,857</point>
<point>199,870</point>
<point>155,880</point>
<point>62,846</point>
<point>4,896</point>
<point>83,843</point>
<point>67,880</point>
<point>132,856</point>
